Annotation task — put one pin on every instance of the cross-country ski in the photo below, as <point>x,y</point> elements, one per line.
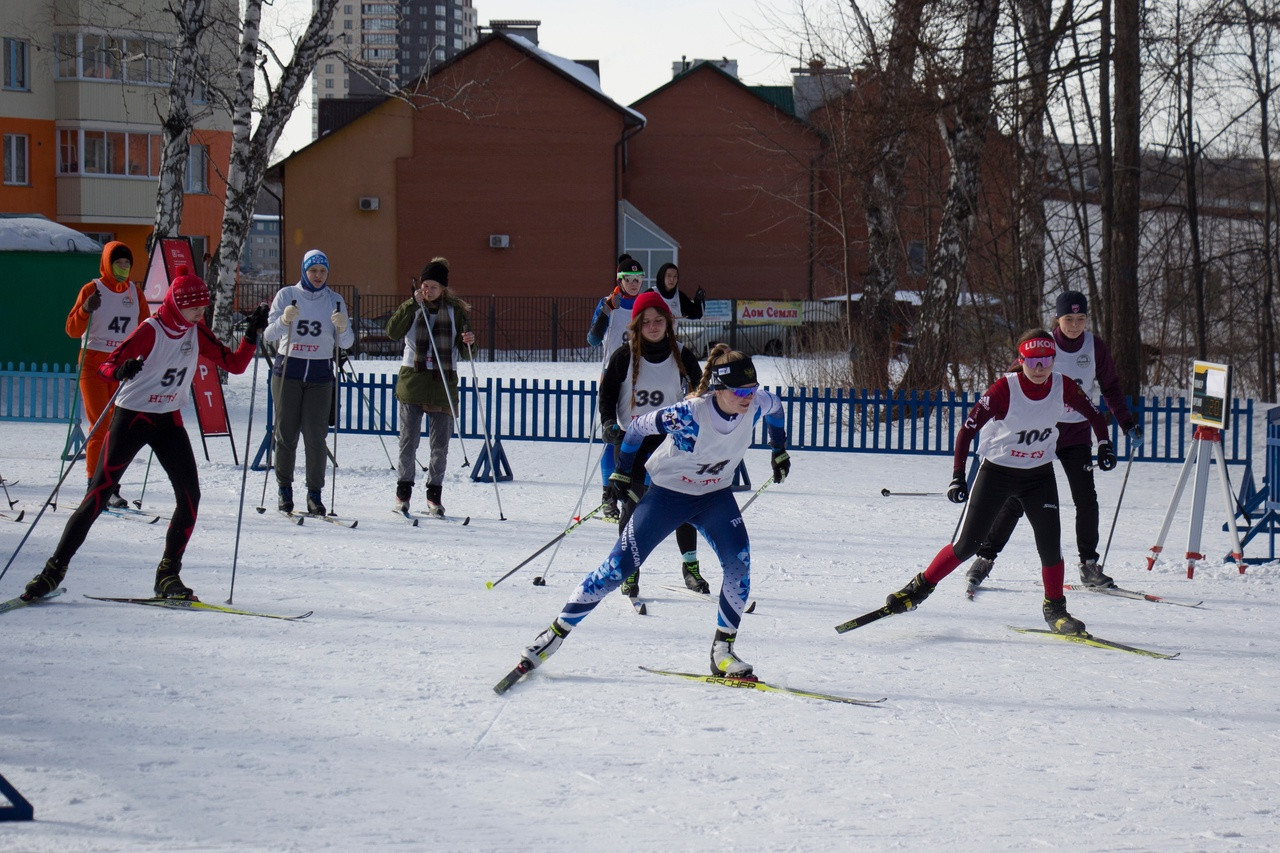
<point>193,604</point>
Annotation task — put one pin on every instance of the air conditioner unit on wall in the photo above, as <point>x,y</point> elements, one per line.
<point>499,241</point>
<point>369,202</point>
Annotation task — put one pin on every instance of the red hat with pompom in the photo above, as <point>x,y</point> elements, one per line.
<point>189,291</point>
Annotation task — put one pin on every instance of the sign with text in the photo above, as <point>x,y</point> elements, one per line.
<point>754,313</point>
<point>167,256</point>
<point>211,405</point>
<point>1210,394</point>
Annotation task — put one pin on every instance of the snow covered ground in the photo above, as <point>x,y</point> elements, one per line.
<point>373,724</point>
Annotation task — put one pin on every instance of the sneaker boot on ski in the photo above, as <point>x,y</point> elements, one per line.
<point>404,491</point>
<point>1062,622</point>
<point>631,585</point>
<point>724,660</point>
<point>610,511</point>
<point>434,506</point>
<point>285,495</point>
<point>45,582</point>
<point>315,504</point>
<point>693,578</point>
<point>114,501</point>
<point>979,569</point>
<point>168,584</point>
<point>910,596</point>
<point>546,643</point>
<point>1092,575</point>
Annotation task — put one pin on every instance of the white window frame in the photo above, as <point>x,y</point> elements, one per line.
<point>196,180</point>
<point>17,65</point>
<point>17,163</point>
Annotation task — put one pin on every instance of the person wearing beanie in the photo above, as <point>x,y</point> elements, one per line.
<point>155,365</point>
<point>1084,358</point>
<point>1016,422</point>
<point>702,439</point>
<point>667,283</point>
<point>435,326</point>
<point>651,371</point>
<point>608,330</point>
<point>308,321</point>
<point>106,310</point>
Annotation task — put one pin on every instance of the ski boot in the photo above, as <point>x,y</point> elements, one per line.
<point>285,494</point>
<point>45,582</point>
<point>692,578</point>
<point>315,504</point>
<point>631,585</point>
<point>910,596</point>
<point>979,569</point>
<point>546,643</point>
<point>1062,622</point>
<point>114,501</point>
<point>724,661</point>
<point>404,491</point>
<point>434,507</point>
<point>1092,575</point>
<point>168,584</point>
<point>610,511</point>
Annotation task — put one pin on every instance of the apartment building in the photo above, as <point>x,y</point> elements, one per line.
<point>83,87</point>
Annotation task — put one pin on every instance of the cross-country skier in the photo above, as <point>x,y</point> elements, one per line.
<point>108,308</point>
<point>1083,357</point>
<point>648,372</point>
<point>156,363</point>
<point>608,330</point>
<point>1018,418</point>
<point>691,473</point>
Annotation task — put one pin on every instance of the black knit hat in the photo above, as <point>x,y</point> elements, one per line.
<point>733,374</point>
<point>436,271</point>
<point>121,251</point>
<point>629,266</point>
<point>1071,302</point>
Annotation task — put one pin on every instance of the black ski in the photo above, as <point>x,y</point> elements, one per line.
<point>864,619</point>
<point>18,517</point>
<point>763,686</point>
<point>1129,593</point>
<point>296,518</point>
<point>193,604</point>
<point>639,606</point>
<point>15,603</point>
<point>349,523</point>
<point>1089,640</point>
<point>522,669</point>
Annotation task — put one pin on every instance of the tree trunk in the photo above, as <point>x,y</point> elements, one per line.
<point>1125,335</point>
<point>965,143</point>
<point>250,153</point>
<point>1028,295</point>
<point>191,15</point>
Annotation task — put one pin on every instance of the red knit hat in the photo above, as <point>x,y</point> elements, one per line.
<point>650,299</point>
<point>189,291</point>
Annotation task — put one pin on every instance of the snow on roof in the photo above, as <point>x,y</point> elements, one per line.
<point>576,70</point>
<point>34,233</point>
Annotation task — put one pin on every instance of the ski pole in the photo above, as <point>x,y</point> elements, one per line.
<point>11,501</point>
<point>572,527</point>
<point>541,580</point>
<point>244,474</point>
<point>147,475</point>
<point>758,492</point>
<point>422,311</point>
<point>102,418</point>
<point>71,416</point>
<point>337,418</point>
<point>888,493</point>
<point>488,446</point>
<point>1119,500</point>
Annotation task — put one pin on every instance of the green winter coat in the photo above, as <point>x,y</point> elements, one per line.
<point>424,387</point>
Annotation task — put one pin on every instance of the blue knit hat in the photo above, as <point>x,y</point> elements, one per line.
<point>313,257</point>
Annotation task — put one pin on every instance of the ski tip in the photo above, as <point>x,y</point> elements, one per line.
<point>467,521</point>
<point>751,608</point>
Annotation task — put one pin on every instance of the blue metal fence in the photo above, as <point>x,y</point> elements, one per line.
<point>563,410</point>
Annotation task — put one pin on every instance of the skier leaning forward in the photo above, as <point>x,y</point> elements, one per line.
<point>1020,413</point>
<point>691,473</point>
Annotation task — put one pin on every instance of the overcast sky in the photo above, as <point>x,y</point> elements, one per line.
<point>636,42</point>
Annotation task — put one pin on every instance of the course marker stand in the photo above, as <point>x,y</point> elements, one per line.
<point>484,470</point>
<point>20,808</point>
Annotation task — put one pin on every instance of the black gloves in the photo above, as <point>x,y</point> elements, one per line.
<point>255,323</point>
<point>94,302</point>
<point>128,370</point>
<point>1134,434</point>
<point>1106,456</point>
<point>700,296</point>
<point>781,463</point>
<point>958,491</point>
<point>613,433</point>
<point>620,488</point>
